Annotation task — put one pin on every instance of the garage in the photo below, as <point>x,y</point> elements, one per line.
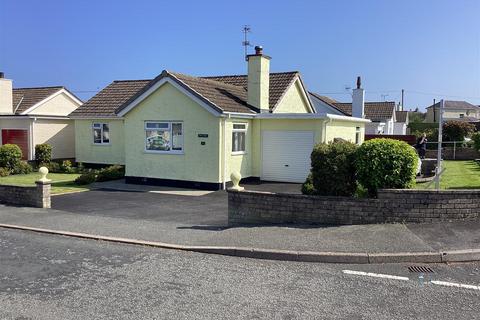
<point>286,155</point>
<point>18,137</point>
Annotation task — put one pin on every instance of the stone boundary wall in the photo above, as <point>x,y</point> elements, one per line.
<point>36,196</point>
<point>252,207</point>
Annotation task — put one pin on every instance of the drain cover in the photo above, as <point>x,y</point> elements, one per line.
<point>420,269</point>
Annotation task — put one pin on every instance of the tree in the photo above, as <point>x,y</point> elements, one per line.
<point>457,130</point>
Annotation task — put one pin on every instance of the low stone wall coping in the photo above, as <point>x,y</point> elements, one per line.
<point>392,205</point>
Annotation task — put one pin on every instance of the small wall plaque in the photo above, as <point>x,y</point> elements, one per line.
<point>203,135</point>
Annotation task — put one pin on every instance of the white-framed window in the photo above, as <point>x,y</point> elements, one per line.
<point>239,133</point>
<point>164,136</point>
<point>101,133</point>
<point>358,133</point>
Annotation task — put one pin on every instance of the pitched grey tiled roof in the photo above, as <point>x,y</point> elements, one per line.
<point>223,93</point>
<point>105,102</point>
<point>401,116</point>
<point>279,83</point>
<point>375,111</point>
<point>451,104</point>
<point>25,98</point>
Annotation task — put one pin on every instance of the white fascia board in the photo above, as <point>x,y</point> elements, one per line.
<point>347,118</point>
<point>96,118</point>
<point>291,116</point>
<point>238,115</point>
<point>50,97</point>
<point>157,85</point>
<point>27,116</point>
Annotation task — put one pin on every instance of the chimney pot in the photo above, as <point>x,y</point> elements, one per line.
<point>258,50</point>
<point>359,82</point>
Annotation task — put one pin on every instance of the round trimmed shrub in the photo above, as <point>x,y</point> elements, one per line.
<point>386,163</point>
<point>23,167</point>
<point>333,170</point>
<point>43,153</point>
<point>10,156</point>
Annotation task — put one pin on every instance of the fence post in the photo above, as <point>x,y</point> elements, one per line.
<point>454,148</point>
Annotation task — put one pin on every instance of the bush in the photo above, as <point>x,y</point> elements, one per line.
<point>43,153</point>
<point>53,167</point>
<point>386,163</point>
<point>476,140</point>
<point>307,186</point>
<point>4,172</point>
<point>66,167</point>
<point>86,178</point>
<point>333,169</point>
<point>23,167</point>
<point>10,156</point>
<point>457,130</point>
<point>111,173</point>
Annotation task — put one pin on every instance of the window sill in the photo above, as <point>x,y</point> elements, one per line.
<point>101,144</point>
<point>238,153</point>
<point>164,152</point>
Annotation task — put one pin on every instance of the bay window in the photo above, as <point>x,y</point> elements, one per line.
<point>164,137</point>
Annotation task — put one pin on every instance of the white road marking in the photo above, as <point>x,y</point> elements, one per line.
<point>376,275</point>
<point>453,284</point>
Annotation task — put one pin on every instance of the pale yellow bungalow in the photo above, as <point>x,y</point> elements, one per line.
<point>31,116</point>
<point>187,131</point>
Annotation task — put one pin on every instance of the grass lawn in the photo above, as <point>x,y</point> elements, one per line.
<point>457,175</point>
<point>61,182</point>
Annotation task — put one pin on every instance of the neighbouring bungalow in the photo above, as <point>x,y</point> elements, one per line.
<point>382,114</point>
<point>454,110</point>
<point>187,131</point>
<point>31,116</point>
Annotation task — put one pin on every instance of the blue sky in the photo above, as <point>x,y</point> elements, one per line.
<point>429,48</point>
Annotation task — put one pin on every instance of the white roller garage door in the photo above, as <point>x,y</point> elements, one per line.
<point>286,155</point>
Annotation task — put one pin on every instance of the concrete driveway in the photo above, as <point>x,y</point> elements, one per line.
<point>209,209</point>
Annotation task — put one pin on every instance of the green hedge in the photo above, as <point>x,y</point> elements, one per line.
<point>333,170</point>
<point>43,153</point>
<point>386,163</point>
<point>10,156</point>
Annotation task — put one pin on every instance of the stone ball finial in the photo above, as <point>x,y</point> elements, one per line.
<point>43,172</point>
<point>236,177</point>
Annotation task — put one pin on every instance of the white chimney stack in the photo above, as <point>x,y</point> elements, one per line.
<point>6,95</point>
<point>258,80</point>
<point>358,100</point>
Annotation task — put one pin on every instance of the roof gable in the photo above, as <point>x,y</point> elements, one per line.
<point>26,98</point>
